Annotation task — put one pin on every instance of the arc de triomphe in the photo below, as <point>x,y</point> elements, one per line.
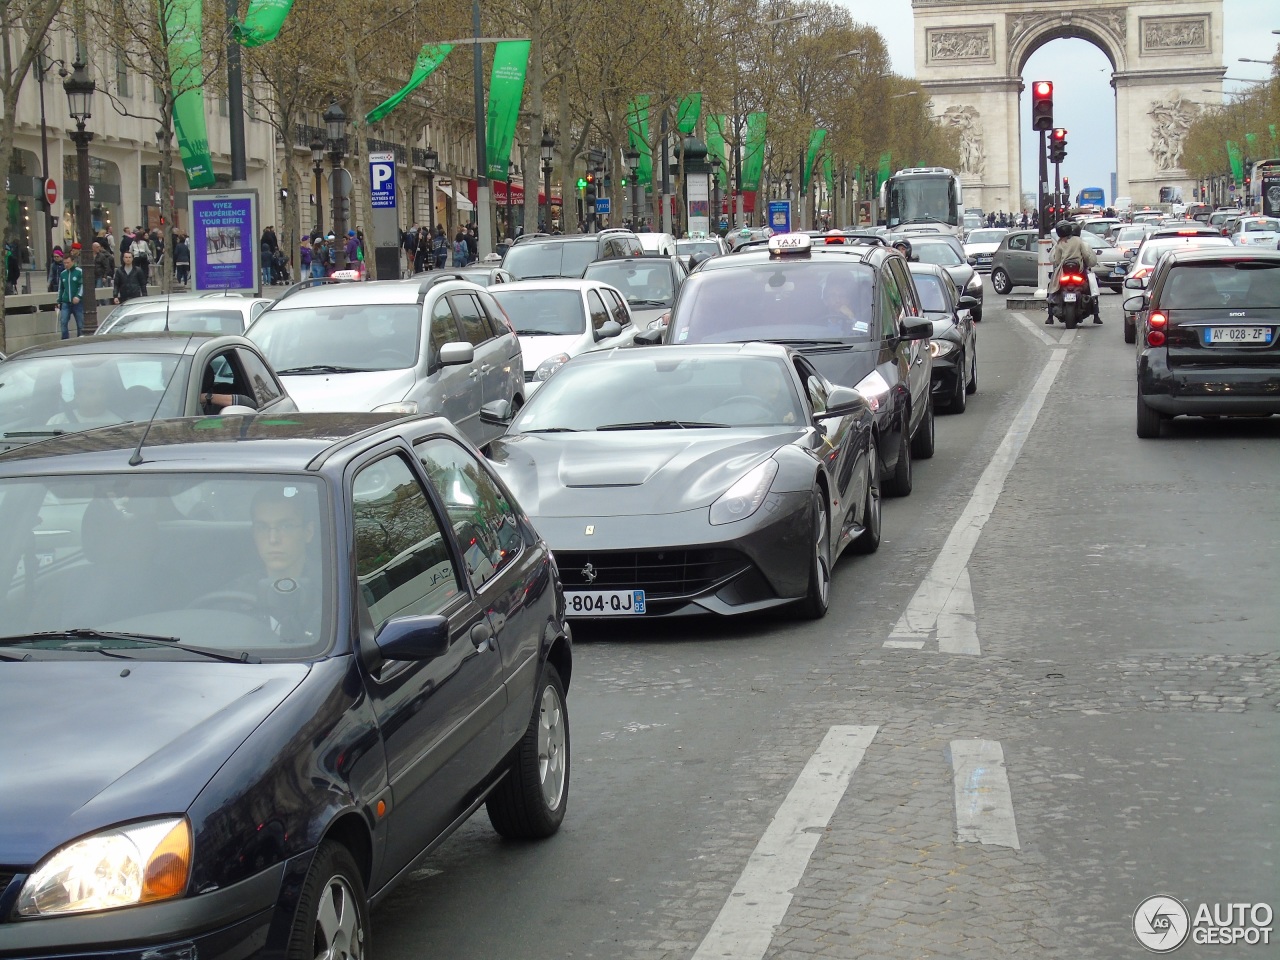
<point>1166,59</point>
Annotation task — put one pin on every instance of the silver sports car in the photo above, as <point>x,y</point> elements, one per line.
<point>710,478</point>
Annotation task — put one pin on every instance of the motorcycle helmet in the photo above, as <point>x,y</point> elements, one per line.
<point>903,246</point>
<point>1077,228</point>
<point>1064,229</point>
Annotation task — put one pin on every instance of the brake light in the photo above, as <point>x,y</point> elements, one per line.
<point>1156,324</point>
<point>1187,233</point>
<point>1072,278</point>
<point>1155,338</point>
<point>830,240</point>
<point>1157,319</point>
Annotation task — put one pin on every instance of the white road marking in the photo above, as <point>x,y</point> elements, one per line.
<point>759,901</point>
<point>984,805</point>
<point>1037,329</point>
<point>924,615</point>
<point>905,644</point>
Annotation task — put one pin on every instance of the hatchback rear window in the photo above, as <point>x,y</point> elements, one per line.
<point>1242,285</point>
<point>549,258</point>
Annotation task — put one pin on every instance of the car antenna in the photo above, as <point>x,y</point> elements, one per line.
<point>137,451</point>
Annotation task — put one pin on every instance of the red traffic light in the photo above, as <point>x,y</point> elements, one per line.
<point>1059,133</point>
<point>1042,105</point>
<point>591,178</point>
<point>1043,88</point>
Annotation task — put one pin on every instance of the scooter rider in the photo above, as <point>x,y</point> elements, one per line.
<point>1071,247</point>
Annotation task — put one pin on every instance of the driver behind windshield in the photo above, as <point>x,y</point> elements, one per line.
<point>287,584</point>
<point>840,301</point>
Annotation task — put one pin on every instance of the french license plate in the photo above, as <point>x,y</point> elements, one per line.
<point>1117,272</point>
<point>1068,298</point>
<point>604,603</point>
<point>1237,335</point>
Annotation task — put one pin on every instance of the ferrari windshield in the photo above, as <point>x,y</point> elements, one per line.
<point>231,564</point>
<point>829,300</point>
<point>666,389</point>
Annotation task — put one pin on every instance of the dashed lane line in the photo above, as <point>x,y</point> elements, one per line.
<point>759,901</point>
<point>984,804</point>
<point>942,605</point>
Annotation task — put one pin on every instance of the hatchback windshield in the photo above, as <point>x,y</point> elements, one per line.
<point>340,338</point>
<point>543,313</point>
<point>228,564</point>
<point>644,285</point>
<point>936,253</point>
<point>185,321</point>
<point>1261,225</point>
<point>665,391</point>
<point>44,396</point>
<point>986,236</point>
<point>549,258</point>
<point>1243,285</point>
<point>799,300</point>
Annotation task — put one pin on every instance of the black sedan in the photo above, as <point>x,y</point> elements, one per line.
<point>941,252</point>
<point>732,482</point>
<point>849,307</point>
<point>73,385</point>
<point>955,337</point>
<point>251,675</point>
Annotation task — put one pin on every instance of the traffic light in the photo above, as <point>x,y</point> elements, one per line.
<point>1066,188</point>
<point>1247,180</point>
<point>624,181</point>
<point>582,183</point>
<point>591,179</point>
<point>1042,105</point>
<point>1057,145</point>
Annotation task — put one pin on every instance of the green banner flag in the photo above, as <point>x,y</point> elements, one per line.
<point>688,112</point>
<point>506,90</point>
<point>715,142</point>
<point>816,138</point>
<point>1237,162</point>
<point>827,175</point>
<point>262,22</point>
<point>182,21</point>
<point>885,170</point>
<point>638,137</point>
<point>753,156</point>
<point>429,57</point>
<point>1275,141</point>
<point>1251,143</point>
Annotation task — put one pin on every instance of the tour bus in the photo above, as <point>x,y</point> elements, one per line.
<point>923,197</point>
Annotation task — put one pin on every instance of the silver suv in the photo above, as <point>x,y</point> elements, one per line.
<point>436,344</point>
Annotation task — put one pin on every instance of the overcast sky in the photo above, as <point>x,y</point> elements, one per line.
<point>1083,98</point>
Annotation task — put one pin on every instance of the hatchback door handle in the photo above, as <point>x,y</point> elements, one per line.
<point>481,634</point>
<point>474,374</point>
<point>486,368</point>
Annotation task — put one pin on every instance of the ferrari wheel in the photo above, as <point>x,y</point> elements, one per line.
<point>869,540</point>
<point>818,597</point>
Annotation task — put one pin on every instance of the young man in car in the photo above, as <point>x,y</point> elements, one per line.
<point>286,581</point>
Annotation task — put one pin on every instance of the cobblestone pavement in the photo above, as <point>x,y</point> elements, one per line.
<point>1128,670</point>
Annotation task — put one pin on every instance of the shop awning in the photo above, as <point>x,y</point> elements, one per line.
<point>500,193</point>
<point>460,199</point>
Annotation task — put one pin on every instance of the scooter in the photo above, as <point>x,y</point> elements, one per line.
<point>1071,301</point>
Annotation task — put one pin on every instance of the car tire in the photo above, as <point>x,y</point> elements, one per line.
<point>872,515</point>
<point>898,484</point>
<point>1130,331</point>
<point>1150,421</point>
<point>332,919</point>
<point>922,444</point>
<point>976,314</point>
<point>972,385</point>
<point>1000,281</point>
<point>529,803</point>
<point>817,597</point>
<point>960,396</point>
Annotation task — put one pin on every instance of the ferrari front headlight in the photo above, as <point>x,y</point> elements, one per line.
<point>874,389</point>
<point>745,496</point>
<point>120,867</point>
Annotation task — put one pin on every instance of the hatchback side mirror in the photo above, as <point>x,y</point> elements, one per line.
<point>841,402</point>
<point>610,328</point>
<point>456,353</point>
<point>1134,304</point>
<point>1135,283</point>
<point>414,638</point>
<point>967,302</point>
<point>497,413</point>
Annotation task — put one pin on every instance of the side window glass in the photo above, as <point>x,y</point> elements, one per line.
<point>261,382</point>
<point>1018,242</point>
<point>493,314</point>
<point>443,328</point>
<point>906,287</point>
<point>598,313</point>
<point>891,310</point>
<point>619,308</point>
<point>483,519</point>
<point>403,564</point>
<point>475,326</point>
<point>220,376</point>
<point>817,394</point>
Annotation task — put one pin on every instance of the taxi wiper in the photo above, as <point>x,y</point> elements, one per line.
<point>322,368</point>
<point>543,333</point>
<point>640,302</point>
<point>663,425</point>
<point>814,343</point>
<point>34,433</point>
<point>553,430</point>
<point>89,633</point>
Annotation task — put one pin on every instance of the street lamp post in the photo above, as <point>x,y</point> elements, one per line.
<point>511,169</point>
<point>431,160</point>
<point>632,158</point>
<point>317,164</point>
<point>335,122</point>
<point>43,66</point>
<point>715,194</point>
<point>547,150</point>
<point>79,88</point>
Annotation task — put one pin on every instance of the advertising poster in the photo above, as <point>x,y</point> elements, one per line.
<point>780,216</point>
<point>699,201</point>
<point>1269,191</point>
<point>224,241</point>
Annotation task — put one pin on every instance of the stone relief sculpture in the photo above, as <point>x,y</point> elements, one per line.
<point>968,122</point>
<point>1174,34</point>
<point>1114,21</point>
<point>960,44</point>
<point>1171,119</point>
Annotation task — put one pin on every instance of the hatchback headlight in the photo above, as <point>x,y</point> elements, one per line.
<point>403,406</point>
<point>941,348</point>
<point>874,389</point>
<point>549,366</point>
<point>975,283</point>
<point>744,498</point>
<point>120,867</point>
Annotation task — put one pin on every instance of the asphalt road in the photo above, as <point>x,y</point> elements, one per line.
<point>1051,694</point>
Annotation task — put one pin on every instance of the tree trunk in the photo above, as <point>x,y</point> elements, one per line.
<point>568,204</point>
<point>531,159</point>
<point>360,164</point>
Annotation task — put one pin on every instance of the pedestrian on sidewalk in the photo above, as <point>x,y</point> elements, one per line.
<point>181,259</point>
<point>104,265</point>
<point>56,266</point>
<point>71,294</point>
<point>129,282</point>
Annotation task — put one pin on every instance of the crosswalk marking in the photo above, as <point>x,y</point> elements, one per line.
<point>744,928</point>
<point>984,804</point>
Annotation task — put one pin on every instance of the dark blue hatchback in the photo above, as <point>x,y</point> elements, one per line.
<point>252,670</point>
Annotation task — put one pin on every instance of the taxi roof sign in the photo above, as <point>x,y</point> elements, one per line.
<point>790,244</point>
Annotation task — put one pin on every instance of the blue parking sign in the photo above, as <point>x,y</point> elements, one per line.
<point>382,180</point>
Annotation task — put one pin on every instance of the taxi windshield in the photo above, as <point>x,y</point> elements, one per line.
<point>166,564</point>
<point>777,300</point>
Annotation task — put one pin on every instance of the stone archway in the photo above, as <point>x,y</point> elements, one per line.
<point>970,55</point>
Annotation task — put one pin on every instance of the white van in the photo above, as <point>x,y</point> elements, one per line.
<point>658,244</point>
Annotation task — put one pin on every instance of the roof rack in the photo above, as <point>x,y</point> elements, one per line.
<point>615,230</point>
<point>438,276</point>
<point>305,284</point>
<point>524,237</point>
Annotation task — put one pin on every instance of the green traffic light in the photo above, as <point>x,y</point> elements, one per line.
<point>582,184</point>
